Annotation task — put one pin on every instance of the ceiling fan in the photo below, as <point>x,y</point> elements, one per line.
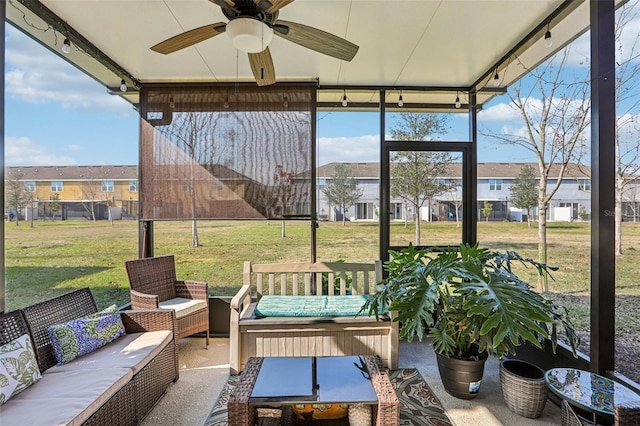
<point>251,26</point>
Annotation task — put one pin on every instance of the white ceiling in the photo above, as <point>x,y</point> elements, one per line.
<point>441,45</point>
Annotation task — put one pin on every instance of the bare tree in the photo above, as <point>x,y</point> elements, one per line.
<point>91,191</point>
<point>454,198</point>
<point>632,197</point>
<point>627,152</point>
<point>555,113</point>
<point>30,198</point>
<point>194,133</point>
<point>457,203</point>
<point>284,191</point>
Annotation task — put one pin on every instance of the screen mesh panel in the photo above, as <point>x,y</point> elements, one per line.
<point>226,151</point>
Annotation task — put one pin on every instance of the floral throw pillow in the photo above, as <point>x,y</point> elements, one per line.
<point>18,367</point>
<point>84,335</point>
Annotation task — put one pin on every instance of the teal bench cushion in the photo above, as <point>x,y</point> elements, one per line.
<point>310,306</point>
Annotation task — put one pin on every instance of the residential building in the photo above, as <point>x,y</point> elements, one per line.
<point>571,202</point>
<point>77,192</point>
<point>72,192</point>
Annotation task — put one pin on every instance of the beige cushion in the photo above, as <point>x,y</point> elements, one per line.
<point>132,351</point>
<point>64,397</point>
<point>182,306</point>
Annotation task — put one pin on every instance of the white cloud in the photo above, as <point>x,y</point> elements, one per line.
<point>579,53</point>
<point>23,151</point>
<point>516,132</point>
<point>500,112</point>
<point>35,75</point>
<point>339,149</point>
<point>507,114</point>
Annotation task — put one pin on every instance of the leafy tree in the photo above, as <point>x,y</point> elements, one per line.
<point>343,191</point>
<point>416,176</point>
<point>632,198</point>
<point>15,195</point>
<point>582,214</point>
<point>523,191</point>
<point>487,209</point>
<point>55,205</point>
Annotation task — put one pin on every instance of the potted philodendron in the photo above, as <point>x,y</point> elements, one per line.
<point>471,304</point>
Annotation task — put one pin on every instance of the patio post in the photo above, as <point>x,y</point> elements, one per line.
<point>3,12</point>
<point>470,194</point>
<point>314,177</point>
<point>603,115</point>
<point>385,205</point>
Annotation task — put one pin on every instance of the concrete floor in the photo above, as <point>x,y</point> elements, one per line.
<point>203,373</point>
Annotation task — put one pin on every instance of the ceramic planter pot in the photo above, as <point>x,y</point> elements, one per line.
<point>461,378</point>
<point>523,387</point>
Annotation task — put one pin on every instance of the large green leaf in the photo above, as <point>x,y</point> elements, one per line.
<point>468,296</point>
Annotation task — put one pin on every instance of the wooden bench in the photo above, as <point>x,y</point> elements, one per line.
<point>255,336</point>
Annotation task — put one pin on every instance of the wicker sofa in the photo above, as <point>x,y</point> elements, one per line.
<point>327,334</point>
<point>117,384</point>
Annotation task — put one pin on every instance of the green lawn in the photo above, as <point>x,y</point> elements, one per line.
<point>54,257</point>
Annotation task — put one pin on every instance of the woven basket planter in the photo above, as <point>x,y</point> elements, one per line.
<point>523,387</point>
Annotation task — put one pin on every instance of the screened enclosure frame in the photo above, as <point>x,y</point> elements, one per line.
<point>601,22</point>
<point>469,185</point>
<point>468,149</point>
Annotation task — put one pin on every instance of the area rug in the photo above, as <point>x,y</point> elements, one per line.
<point>418,405</point>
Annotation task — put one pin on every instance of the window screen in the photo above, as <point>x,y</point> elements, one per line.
<point>226,151</point>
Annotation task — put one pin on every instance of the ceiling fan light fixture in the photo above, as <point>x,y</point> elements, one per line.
<point>249,35</point>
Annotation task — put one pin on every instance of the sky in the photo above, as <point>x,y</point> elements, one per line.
<point>56,115</point>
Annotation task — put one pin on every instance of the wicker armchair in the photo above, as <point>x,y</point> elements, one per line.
<point>570,418</point>
<point>627,413</point>
<point>154,285</point>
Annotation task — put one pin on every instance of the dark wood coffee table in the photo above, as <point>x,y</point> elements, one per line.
<point>324,380</point>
